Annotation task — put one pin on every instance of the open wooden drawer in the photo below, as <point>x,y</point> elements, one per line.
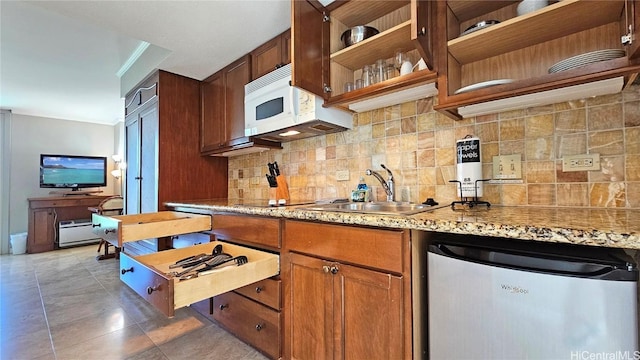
<point>150,275</point>
<point>119,229</point>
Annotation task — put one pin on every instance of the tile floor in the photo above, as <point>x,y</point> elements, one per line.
<point>66,305</point>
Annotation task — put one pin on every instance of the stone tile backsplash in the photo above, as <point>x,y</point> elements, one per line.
<point>418,145</point>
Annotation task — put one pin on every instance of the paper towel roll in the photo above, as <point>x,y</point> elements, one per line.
<point>469,166</point>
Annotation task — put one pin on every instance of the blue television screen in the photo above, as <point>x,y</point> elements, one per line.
<point>71,171</point>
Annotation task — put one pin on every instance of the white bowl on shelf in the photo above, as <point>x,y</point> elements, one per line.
<point>527,6</point>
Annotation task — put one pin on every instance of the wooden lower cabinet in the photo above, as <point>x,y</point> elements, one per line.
<point>345,308</point>
<point>343,311</point>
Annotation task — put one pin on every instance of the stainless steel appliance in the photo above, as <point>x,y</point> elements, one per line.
<point>508,299</point>
<point>274,110</point>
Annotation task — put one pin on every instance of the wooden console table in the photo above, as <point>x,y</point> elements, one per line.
<point>46,212</point>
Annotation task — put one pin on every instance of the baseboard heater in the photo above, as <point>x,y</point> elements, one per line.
<point>76,232</point>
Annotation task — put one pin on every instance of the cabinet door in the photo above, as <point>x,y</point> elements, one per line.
<point>634,20</point>
<point>236,76</point>
<point>309,47</point>
<point>286,47</point>
<point>149,159</point>
<point>422,26</point>
<point>212,121</point>
<point>42,235</point>
<point>310,309</point>
<point>132,150</point>
<point>266,57</point>
<point>367,313</point>
<point>344,311</point>
<point>271,55</point>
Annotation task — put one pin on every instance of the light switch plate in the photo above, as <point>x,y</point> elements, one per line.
<point>507,167</point>
<point>584,162</point>
<point>342,175</point>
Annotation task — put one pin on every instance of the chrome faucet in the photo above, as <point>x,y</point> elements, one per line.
<point>388,185</point>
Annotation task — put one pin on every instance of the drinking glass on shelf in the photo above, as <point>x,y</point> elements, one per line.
<point>348,86</point>
<point>391,71</point>
<point>380,71</point>
<point>358,84</point>
<point>367,75</point>
<point>400,58</point>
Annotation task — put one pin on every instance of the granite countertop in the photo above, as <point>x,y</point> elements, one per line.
<point>599,227</point>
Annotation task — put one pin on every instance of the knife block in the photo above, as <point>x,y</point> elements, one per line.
<point>282,191</point>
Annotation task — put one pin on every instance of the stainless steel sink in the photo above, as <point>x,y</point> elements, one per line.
<point>386,208</point>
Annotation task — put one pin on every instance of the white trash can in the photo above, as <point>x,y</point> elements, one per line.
<point>19,243</point>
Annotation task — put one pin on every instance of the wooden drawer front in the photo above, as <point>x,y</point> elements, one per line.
<point>125,228</point>
<point>150,275</point>
<point>381,249</point>
<point>154,287</point>
<point>265,291</point>
<point>254,323</point>
<point>257,230</point>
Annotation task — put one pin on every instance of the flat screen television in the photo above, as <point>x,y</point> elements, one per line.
<point>72,171</point>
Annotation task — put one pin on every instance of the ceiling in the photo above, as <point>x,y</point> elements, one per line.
<point>74,60</point>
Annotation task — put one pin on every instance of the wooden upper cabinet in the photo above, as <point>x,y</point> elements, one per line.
<point>271,55</point>
<point>222,106</point>
<point>237,75</point>
<point>213,125</point>
<point>309,46</point>
<point>322,65</point>
<point>522,49</point>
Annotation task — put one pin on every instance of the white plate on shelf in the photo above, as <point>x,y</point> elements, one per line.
<point>482,85</point>
<point>479,26</point>
<point>586,59</point>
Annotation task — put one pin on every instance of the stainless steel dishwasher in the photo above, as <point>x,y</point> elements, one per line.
<point>508,299</point>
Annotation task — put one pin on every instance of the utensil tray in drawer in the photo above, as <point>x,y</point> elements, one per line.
<point>149,275</point>
<point>120,229</point>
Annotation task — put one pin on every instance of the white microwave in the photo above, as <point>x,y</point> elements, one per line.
<point>275,110</point>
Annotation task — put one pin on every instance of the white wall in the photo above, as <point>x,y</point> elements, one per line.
<point>32,136</point>
<point>5,152</point>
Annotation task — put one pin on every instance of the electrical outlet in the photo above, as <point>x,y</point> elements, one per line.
<point>584,162</point>
<point>342,175</point>
<point>507,167</point>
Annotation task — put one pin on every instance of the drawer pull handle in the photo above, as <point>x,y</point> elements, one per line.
<point>259,327</point>
<point>96,225</point>
<point>107,231</point>
<point>152,289</point>
<point>259,289</point>
<point>124,271</point>
<point>223,306</point>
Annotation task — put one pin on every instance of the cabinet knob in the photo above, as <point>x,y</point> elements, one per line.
<point>259,289</point>
<point>334,270</point>
<point>152,289</point>
<point>422,31</point>
<point>124,271</point>
<point>259,327</point>
<point>223,306</point>
<point>325,268</point>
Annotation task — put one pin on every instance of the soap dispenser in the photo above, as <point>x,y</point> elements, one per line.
<point>361,194</point>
